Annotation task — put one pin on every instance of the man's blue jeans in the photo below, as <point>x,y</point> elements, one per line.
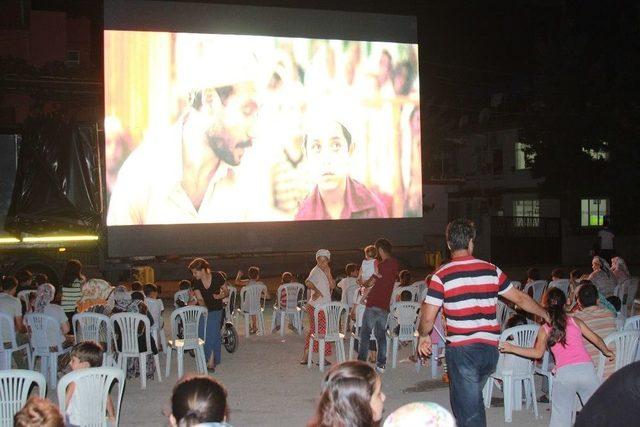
<point>469,367</point>
<point>375,319</point>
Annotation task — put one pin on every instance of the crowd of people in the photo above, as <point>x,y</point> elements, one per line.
<point>573,320</point>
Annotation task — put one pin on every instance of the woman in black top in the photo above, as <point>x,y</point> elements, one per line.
<point>210,288</point>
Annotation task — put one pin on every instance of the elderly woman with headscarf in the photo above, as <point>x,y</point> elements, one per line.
<point>320,283</point>
<point>602,277</point>
<point>619,269</point>
<point>44,295</point>
<point>95,292</point>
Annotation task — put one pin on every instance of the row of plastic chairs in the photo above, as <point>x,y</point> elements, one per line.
<point>92,387</point>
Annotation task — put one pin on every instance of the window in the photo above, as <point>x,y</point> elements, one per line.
<point>526,213</point>
<point>593,211</point>
<point>523,159</point>
<point>600,153</point>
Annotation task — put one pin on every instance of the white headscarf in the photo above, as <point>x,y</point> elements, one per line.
<point>44,296</point>
<point>618,264</point>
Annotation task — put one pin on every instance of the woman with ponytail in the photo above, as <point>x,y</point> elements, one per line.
<point>574,371</point>
<point>199,400</point>
<point>351,397</point>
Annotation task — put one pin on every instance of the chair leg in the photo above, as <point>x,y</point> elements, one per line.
<point>156,358</point>
<point>434,360</point>
<point>508,392</point>
<point>180,361</point>
<point>53,368</point>
<point>201,362</point>
<point>394,354</point>
<point>517,395</point>
<point>273,321</point>
<point>532,388</point>
<point>261,323</point>
<point>246,325</point>
<point>321,355</point>
<point>310,353</point>
<point>29,358</point>
<point>351,347</point>
<point>487,392</point>
<point>143,370</point>
<point>167,370</point>
<point>282,325</point>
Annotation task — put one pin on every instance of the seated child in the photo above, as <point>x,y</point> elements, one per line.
<point>254,279</point>
<point>86,354</point>
<point>136,286</point>
<point>185,295</point>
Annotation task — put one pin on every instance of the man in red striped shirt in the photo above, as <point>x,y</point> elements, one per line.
<point>467,288</point>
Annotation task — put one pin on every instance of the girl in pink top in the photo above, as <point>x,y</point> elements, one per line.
<point>574,371</point>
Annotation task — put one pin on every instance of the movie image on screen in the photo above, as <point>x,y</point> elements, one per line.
<point>219,128</point>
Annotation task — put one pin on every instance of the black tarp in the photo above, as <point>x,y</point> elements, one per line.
<point>57,186</point>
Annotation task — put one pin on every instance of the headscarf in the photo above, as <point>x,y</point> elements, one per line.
<point>604,265</point>
<point>44,296</point>
<point>121,301</point>
<point>94,292</point>
<point>619,266</point>
<point>324,253</point>
<point>420,414</point>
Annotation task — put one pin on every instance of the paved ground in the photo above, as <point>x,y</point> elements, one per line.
<point>267,387</point>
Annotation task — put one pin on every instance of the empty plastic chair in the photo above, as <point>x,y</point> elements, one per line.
<point>503,313</point>
<point>127,325</point>
<point>514,371</point>
<point>89,399</point>
<point>404,315</point>
<point>537,287</point>
<point>94,327</point>
<point>8,336</point>
<point>335,315</point>
<point>190,317</point>
<point>252,301</point>
<point>626,346</point>
<point>562,284</point>
<point>47,343</point>
<point>14,391</point>
<point>287,307</point>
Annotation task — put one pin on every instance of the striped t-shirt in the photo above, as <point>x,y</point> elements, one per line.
<point>71,295</point>
<point>468,290</point>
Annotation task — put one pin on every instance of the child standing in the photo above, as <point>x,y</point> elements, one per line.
<point>575,372</point>
<point>155,306</point>
<point>368,271</point>
<point>86,354</point>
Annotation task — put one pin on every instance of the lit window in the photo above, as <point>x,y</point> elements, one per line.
<point>523,159</point>
<point>526,213</point>
<point>593,211</point>
<point>601,153</point>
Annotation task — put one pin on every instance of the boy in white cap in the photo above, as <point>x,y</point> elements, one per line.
<point>320,283</point>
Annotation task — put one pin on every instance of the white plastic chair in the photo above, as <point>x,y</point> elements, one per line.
<point>516,284</point>
<point>421,285</point>
<point>631,290</point>
<point>94,327</point>
<point>45,336</point>
<point>157,330</point>
<point>14,391</point>
<point>190,317</point>
<point>404,316</point>
<point>562,284</point>
<point>252,301</point>
<point>538,289</point>
<point>291,309</point>
<point>395,294</point>
<point>128,324</point>
<point>632,323</point>
<point>355,330</point>
<point>91,394</point>
<point>513,370</point>
<point>545,369</point>
<point>7,323</point>
<point>503,312</point>
<point>335,314</point>
<point>24,297</point>
<point>626,346</point>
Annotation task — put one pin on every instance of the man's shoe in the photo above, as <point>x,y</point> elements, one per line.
<point>380,369</point>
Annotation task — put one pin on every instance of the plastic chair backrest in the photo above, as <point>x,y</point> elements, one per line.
<point>562,284</point>
<point>293,293</point>
<point>538,289</point>
<point>632,289</point>
<point>14,391</point>
<point>632,323</point>
<point>516,284</point>
<point>405,314</point>
<point>626,345</point>
<point>522,336</point>
<point>91,393</point>
<point>129,324</point>
<point>180,295</point>
<point>252,298</point>
<point>190,318</point>
<point>92,327</point>
<point>502,313</point>
<point>7,331</point>
<point>45,332</point>
<point>333,312</point>
<point>24,296</point>
<point>359,315</point>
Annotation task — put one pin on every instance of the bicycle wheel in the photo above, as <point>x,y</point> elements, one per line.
<point>230,337</point>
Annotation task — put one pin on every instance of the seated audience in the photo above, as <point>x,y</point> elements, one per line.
<point>351,395</point>
<point>199,400</point>
<point>619,269</point>
<point>405,278</point>
<point>602,277</point>
<point>38,412</point>
<point>186,295</point>
<point>72,281</point>
<point>95,292</point>
<point>420,414</point>
<point>10,305</point>
<point>615,403</point>
<point>349,284</point>
<point>136,286</point>
<point>87,354</point>
<point>44,296</point>
<point>533,275</point>
<point>598,319</point>
<point>25,281</point>
<point>154,304</point>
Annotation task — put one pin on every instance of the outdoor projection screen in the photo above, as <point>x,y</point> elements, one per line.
<point>240,128</point>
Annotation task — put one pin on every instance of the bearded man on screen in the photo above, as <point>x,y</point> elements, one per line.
<point>186,174</point>
<point>336,195</point>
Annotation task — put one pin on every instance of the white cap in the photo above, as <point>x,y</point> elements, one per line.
<point>323,252</point>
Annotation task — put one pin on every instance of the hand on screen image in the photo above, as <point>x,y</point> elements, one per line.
<point>336,195</point>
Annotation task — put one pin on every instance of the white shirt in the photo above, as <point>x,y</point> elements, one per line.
<point>320,281</point>
<point>606,239</point>
<point>10,306</point>
<point>149,189</point>
<point>156,307</point>
<point>368,268</point>
<point>348,284</point>
<point>55,311</point>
